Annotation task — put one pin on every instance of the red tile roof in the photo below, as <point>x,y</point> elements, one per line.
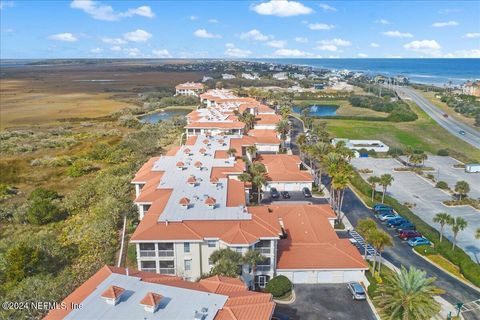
<point>184,201</point>
<point>267,119</point>
<point>151,299</point>
<point>216,125</point>
<point>284,168</point>
<point>210,201</point>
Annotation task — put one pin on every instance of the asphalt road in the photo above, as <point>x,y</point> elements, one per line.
<point>324,301</point>
<point>400,253</point>
<point>452,125</point>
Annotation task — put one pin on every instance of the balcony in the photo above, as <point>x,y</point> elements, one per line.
<point>167,270</point>
<point>263,250</point>
<point>262,268</point>
<point>165,253</point>
<point>147,253</point>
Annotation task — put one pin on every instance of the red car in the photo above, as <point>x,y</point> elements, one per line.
<point>408,234</point>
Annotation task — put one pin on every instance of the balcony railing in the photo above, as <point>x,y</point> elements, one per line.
<point>165,253</point>
<point>149,269</point>
<point>167,270</point>
<point>147,253</point>
<point>264,250</point>
<point>263,268</point>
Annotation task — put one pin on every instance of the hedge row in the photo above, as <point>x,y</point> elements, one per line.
<point>469,269</point>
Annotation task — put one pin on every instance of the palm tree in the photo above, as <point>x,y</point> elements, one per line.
<point>373,180</point>
<point>258,172</point>
<point>364,228</point>
<point>408,295</point>
<point>442,218</point>
<point>232,152</point>
<point>332,163</point>
<point>379,239</point>
<point>252,258</point>
<point>462,188</point>
<point>342,177</point>
<point>385,181</point>
<point>247,118</point>
<point>319,151</point>
<point>415,159</point>
<point>458,224</point>
<point>225,262</point>
<point>252,150</point>
<point>285,111</point>
<point>283,128</point>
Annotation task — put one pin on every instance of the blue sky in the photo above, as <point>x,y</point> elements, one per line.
<point>239,29</point>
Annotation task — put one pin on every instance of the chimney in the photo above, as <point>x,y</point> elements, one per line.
<point>127,272</point>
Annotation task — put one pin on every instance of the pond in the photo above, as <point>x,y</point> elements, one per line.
<point>319,110</point>
<point>163,115</point>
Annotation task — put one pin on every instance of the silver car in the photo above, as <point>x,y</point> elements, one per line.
<point>357,291</point>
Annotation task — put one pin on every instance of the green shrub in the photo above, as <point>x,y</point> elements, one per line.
<point>279,286</point>
<point>442,185</point>
<point>443,153</point>
<point>43,207</point>
<point>80,168</point>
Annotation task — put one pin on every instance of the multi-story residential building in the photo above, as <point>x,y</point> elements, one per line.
<point>472,88</point>
<point>118,293</point>
<point>280,76</point>
<point>189,89</point>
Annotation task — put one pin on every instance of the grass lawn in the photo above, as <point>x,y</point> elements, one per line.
<point>424,134</point>
<point>445,264</point>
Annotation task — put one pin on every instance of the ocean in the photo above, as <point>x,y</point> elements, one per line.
<point>426,71</point>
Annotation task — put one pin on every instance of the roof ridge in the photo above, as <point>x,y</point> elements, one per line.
<point>344,252</point>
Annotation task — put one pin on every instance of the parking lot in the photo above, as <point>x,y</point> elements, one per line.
<point>324,301</point>
<point>295,197</point>
<point>409,187</point>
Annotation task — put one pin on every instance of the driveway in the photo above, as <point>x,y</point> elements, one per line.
<point>325,301</point>
<point>409,187</point>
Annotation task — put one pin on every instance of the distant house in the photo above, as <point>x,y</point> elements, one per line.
<point>298,76</point>
<point>228,76</point>
<point>189,89</point>
<point>472,88</point>
<point>280,76</point>
<point>250,76</point>
<point>319,86</point>
<point>205,79</point>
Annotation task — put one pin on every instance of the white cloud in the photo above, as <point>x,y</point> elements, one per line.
<point>161,53</point>
<point>474,53</point>
<point>326,7</point>
<point>277,43</point>
<point>254,35</point>
<point>397,34</point>
<point>301,39</point>
<point>116,48</point>
<point>291,53</point>
<point>202,33</point>
<point>327,47</point>
<point>67,37</point>
<point>144,11</point>
<point>193,18</point>
<point>96,50</point>
<point>234,52</point>
<point>362,55</point>
<point>472,35</point>
<point>138,35</point>
<point>383,21</point>
<point>320,26</point>
<point>116,41</point>
<point>132,52</point>
<point>430,47</point>
<point>450,23</point>
<point>213,21</point>
<point>281,8</point>
<point>337,42</point>
<point>374,45</point>
<point>105,12</point>
<point>6,4</point>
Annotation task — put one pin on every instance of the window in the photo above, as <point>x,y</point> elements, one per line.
<point>237,249</point>
<point>165,246</point>
<point>148,265</point>
<point>167,264</point>
<point>212,243</point>
<point>186,247</point>
<point>187,265</point>
<point>147,246</point>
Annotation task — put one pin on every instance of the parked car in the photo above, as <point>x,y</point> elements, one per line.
<point>461,132</point>
<point>418,241</point>
<point>395,222</point>
<point>357,291</point>
<point>409,234</point>
<point>380,206</point>
<point>274,193</point>
<point>306,192</point>
<point>285,194</point>
<point>387,216</point>
<point>405,226</point>
<point>384,211</point>
<point>445,115</point>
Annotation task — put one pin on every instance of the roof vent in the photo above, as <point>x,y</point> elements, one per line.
<point>202,314</point>
<point>180,165</point>
<point>187,151</point>
<point>113,294</point>
<point>184,202</point>
<point>198,165</point>
<point>151,301</point>
<point>203,150</point>
<point>211,202</point>
<point>192,180</point>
